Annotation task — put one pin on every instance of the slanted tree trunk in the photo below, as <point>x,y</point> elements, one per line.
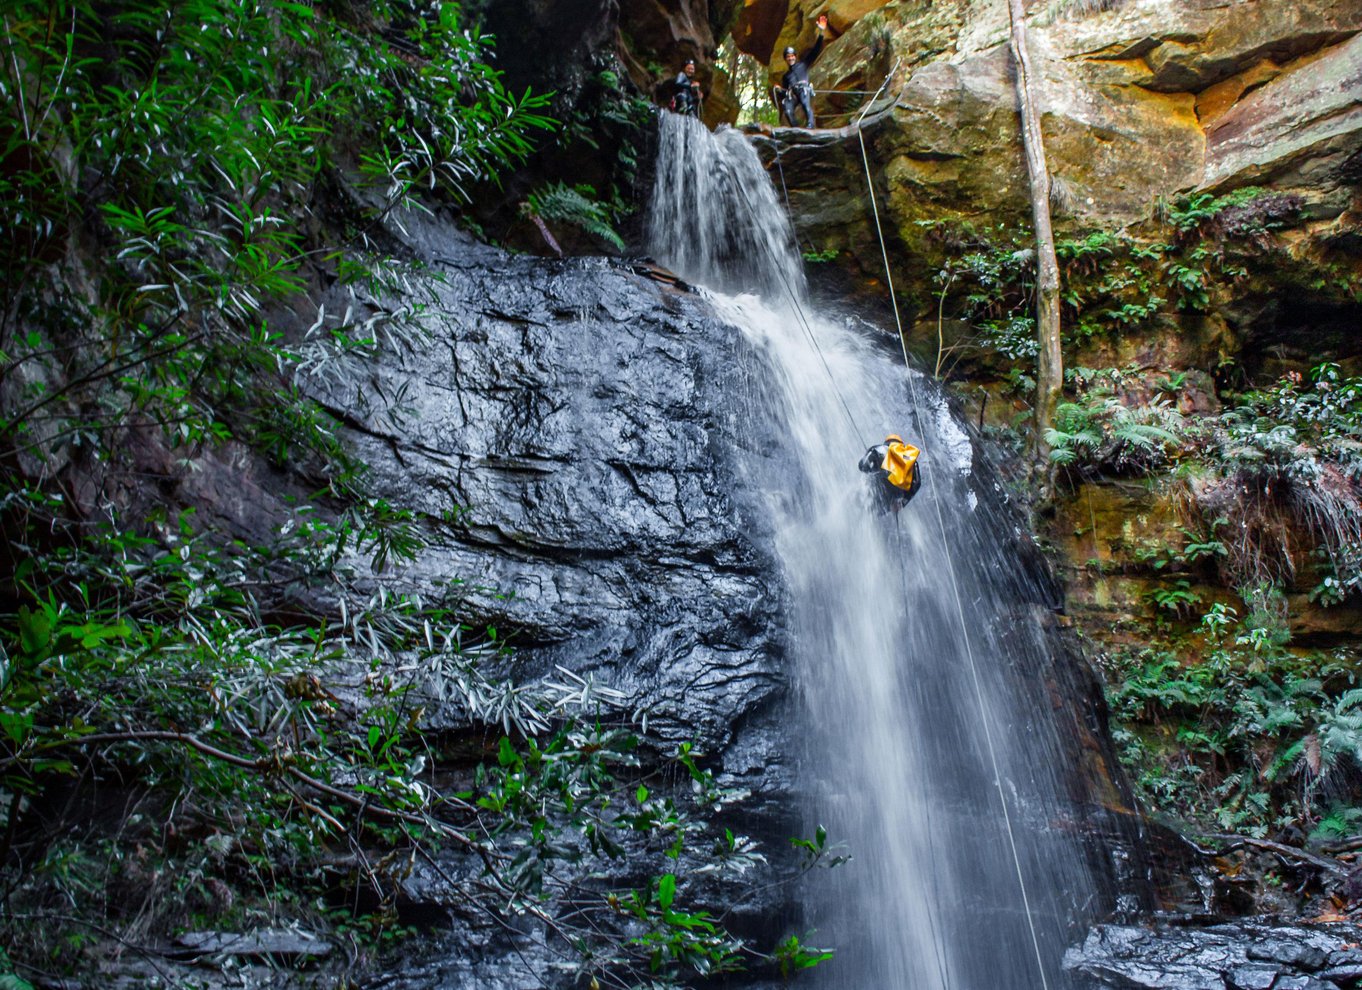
<point>1050,362</point>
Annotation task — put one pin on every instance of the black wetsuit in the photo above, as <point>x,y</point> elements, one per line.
<point>798,91</point>
<point>888,497</point>
<point>684,100</point>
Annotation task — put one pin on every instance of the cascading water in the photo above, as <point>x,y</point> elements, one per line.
<point>918,642</point>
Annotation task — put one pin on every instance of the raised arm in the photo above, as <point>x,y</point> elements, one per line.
<point>817,48</point>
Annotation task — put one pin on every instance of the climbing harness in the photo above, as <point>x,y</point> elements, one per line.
<point>950,569</point>
<point>690,106</point>
<point>779,103</point>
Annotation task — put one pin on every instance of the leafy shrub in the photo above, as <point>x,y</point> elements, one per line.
<point>189,144</point>
<point>161,170</point>
<point>577,207</point>
<point>1108,285</point>
<point>1100,430</point>
<point>1290,457</point>
<point>1249,737</point>
<point>1250,212</point>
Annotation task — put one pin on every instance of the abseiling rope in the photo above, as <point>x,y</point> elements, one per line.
<point>807,328</point>
<point>789,289</point>
<point>942,970</point>
<point>884,252</point>
<point>955,585</point>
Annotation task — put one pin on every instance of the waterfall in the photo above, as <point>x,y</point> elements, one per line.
<point>918,642</point>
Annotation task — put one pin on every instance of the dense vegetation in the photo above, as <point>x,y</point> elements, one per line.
<point>205,732</point>
<point>1226,723</point>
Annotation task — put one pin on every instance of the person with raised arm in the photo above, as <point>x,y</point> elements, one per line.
<point>795,88</point>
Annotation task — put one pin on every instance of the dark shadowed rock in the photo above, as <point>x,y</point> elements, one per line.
<point>282,943</point>
<point>564,435</point>
<point>1244,956</point>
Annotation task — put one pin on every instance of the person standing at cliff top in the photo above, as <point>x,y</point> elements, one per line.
<point>795,88</point>
<point>686,94</point>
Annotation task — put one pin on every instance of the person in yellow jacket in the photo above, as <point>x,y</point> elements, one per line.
<point>896,473</point>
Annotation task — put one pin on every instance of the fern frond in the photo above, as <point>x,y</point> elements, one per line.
<point>1284,761</point>
<point>576,207</point>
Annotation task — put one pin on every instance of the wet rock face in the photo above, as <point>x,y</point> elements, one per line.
<point>571,438</point>
<point>570,435</point>
<point>1245,956</point>
<point>1141,101</point>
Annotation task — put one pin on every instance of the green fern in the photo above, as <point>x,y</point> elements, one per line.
<point>1106,430</point>
<point>575,206</point>
<point>1144,436</point>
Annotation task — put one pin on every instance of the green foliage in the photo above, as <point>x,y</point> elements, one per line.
<point>1337,823</point>
<point>1108,285</point>
<point>236,719</point>
<point>161,168</point>
<point>1178,598</point>
<point>1246,212</point>
<point>1289,457</point>
<point>10,980</point>
<point>577,207</point>
<point>1277,464</point>
<point>1112,283</point>
<point>137,274</point>
<point>1203,225</point>
<point>1102,431</point>
<point>606,112</point>
<point>188,147</point>
<point>821,257</point>
<point>792,955</point>
<point>1247,736</point>
<point>1189,280</point>
<point>1195,549</point>
<point>1291,422</point>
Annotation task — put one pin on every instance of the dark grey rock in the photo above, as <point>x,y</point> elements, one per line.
<point>562,439</point>
<point>1346,957</point>
<point>1347,975</point>
<point>1302,983</point>
<point>261,942</point>
<point>1253,977</point>
<point>1251,955</point>
<point>1297,950</point>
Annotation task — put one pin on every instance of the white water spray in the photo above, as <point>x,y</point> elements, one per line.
<point>917,643</point>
